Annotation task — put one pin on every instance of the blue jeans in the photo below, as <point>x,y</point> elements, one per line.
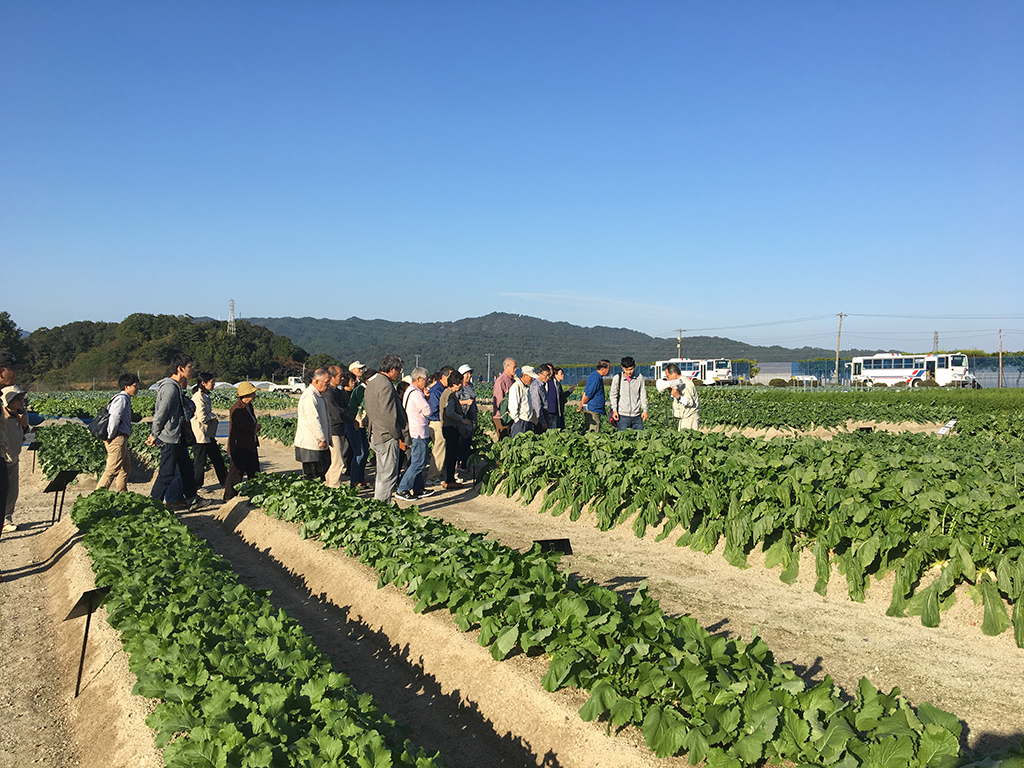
<point>630,422</point>
<point>415,477</point>
<point>360,453</point>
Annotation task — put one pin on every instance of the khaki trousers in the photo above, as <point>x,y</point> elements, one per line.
<point>337,468</point>
<point>689,422</point>
<point>437,452</point>
<point>119,464</point>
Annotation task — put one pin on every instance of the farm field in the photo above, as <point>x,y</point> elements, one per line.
<point>952,666</point>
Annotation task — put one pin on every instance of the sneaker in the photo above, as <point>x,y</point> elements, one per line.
<point>9,525</point>
<point>426,492</point>
<point>195,503</point>
<point>405,495</point>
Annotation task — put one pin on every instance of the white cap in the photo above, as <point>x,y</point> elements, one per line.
<point>356,366</point>
<point>529,371</point>
<point>465,368</point>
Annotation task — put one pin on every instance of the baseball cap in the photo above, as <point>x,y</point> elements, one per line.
<point>465,368</point>
<point>356,366</point>
<point>528,370</point>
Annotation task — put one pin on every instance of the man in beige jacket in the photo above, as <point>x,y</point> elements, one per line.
<point>312,430</point>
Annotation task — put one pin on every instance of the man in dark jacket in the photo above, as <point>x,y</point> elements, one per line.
<point>389,428</point>
<point>170,423</point>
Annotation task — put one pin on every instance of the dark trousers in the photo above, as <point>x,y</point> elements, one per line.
<point>4,487</point>
<point>451,452</point>
<point>243,462</point>
<point>360,453</point>
<point>211,451</point>
<point>174,459</point>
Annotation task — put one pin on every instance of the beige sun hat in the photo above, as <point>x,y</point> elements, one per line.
<point>246,388</point>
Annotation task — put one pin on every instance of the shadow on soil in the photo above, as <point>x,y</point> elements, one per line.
<point>34,529</point>
<point>439,721</point>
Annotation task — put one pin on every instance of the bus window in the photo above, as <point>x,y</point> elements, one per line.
<point>959,360</point>
<point>919,362</point>
<point>887,363</point>
<point>722,364</point>
<point>856,369</point>
<point>943,362</point>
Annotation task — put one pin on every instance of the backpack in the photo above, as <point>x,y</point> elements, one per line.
<point>503,414</point>
<point>98,427</point>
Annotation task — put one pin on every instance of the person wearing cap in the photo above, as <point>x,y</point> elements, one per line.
<point>519,402</point>
<point>119,430</point>
<point>15,425</point>
<point>8,375</point>
<point>467,398</point>
<point>313,428</point>
<point>356,431</point>
<point>243,440</point>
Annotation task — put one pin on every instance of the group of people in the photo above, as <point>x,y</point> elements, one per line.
<point>424,421</point>
<point>181,421</point>
<point>534,401</point>
<point>344,413</point>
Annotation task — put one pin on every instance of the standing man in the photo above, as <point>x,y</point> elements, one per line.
<point>502,385</point>
<point>436,433</point>
<point>685,406</point>
<point>313,428</point>
<point>417,412</point>
<point>119,429</point>
<point>593,397</point>
<point>170,420</point>
<point>519,403</point>
<point>8,375</point>
<point>629,397</point>
<point>337,416</point>
<point>538,399</point>
<point>389,431</point>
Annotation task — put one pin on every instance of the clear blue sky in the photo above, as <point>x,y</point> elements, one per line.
<point>648,165</point>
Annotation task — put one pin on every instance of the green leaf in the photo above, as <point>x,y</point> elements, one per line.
<point>891,752</point>
<point>602,698</point>
<point>996,621</point>
<point>664,731</point>
<point>939,748</point>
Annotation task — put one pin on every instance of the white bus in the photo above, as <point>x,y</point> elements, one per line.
<point>717,371</point>
<point>891,368</point>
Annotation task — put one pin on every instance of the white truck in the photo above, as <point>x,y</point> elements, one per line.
<point>295,385</point>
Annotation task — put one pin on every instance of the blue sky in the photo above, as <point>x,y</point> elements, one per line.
<point>646,165</point>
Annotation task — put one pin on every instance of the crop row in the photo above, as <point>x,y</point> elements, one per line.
<point>763,408</point>
<point>239,683</point>
<point>85,405</point>
<point>719,700</point>
<point>70,446</point>
<point>868,503</point>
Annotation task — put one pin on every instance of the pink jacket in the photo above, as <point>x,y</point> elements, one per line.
<point>418,410</point>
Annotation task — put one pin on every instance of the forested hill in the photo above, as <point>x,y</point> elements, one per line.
<point>528,339</point>
<point>84,351</point>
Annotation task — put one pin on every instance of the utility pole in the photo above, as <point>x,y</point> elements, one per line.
<point>679,344</point>
<point>417,360</point>
<point>1000,358</point>
<point>935,343</point>
<point>489,355</point>
<point>839,339</point>
<point>231,317</point>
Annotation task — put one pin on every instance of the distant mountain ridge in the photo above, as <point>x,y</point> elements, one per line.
<point>527,339</point>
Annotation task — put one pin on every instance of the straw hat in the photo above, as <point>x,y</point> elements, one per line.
<point>246,388</point>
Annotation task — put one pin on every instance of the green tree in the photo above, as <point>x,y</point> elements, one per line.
<point>12,338</point>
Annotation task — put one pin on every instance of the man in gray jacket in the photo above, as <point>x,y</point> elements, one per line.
<point>628,397</point>
<point>170,423</point>
<point>389,426</point>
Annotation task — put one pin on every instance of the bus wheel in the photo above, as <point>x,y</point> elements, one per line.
<point>915,383</point>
